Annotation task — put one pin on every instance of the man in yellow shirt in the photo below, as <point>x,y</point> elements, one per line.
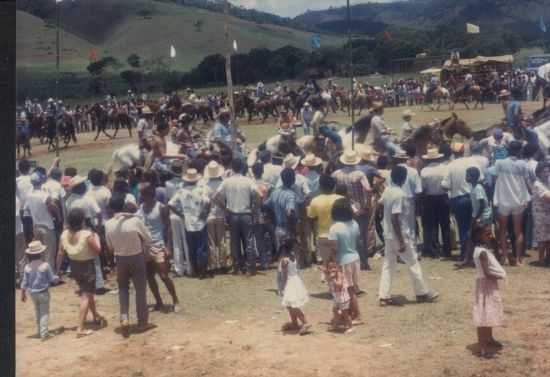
<point>319,211</point>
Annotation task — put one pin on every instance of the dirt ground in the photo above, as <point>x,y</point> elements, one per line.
<point>230,325</point>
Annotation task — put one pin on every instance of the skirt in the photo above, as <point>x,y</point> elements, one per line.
<point>488,310</point>
<point>83,272</point>
<point>295,294</point>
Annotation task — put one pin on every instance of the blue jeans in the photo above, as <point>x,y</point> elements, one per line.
<point>461,207</point>
<point>240,232</point>
<point>41,301</point>
<point>198,248</point>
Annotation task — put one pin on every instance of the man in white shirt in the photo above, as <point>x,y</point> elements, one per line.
<point>24,187</point>
<point>179,238</point>
<point>145,125</point>
<point>78,199</point>
<point>399,243</point>
<point>459,193</point>
<point>511,198</point>
<point>127,238</point>
<point>436,211</point>
<point>41,208</point>
<point>382,134</point>
<point>272,172</point>
<point>237,195</point>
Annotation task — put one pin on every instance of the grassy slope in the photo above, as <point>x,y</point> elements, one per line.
<point>170,24</point>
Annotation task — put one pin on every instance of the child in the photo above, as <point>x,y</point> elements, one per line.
<point>482,213</point>
<point>294,292</point>
<point>339,288</point>
<point>488,311</point>
<point>37,278</point>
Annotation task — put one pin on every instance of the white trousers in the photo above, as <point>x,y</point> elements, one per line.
<point>390,263</point>
<point>181,252</point>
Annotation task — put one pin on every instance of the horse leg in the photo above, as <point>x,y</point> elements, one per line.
<point>129,125</point>
<point>466,104</point>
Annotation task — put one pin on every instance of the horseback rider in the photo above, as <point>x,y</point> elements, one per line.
<point>407,129</point>
<point>382,134</point>
<point>260,92</point>
<point>225,133</point>
<point>468,82</point>
<point>434,84</point>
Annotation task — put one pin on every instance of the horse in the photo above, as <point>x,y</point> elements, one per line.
<point>439,94</point>
<point>437,134</point>
<point>100,117</point>
<point>22,139</point>
<point>121,118</point>
<point>463,95</point>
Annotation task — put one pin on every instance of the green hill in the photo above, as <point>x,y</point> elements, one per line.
<point>119,28</point>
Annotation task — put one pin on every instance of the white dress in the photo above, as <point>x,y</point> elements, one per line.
<point>295,294</point>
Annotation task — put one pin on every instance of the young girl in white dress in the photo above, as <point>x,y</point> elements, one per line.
<point>488,311</point>
<point>295,294</point>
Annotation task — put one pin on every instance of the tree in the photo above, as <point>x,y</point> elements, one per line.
<point>198,25</point>
<point>134,60</point>
<point>145,13</point>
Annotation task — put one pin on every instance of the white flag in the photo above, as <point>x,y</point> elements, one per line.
<point>58,1</point>
<point>472,29</point>
<point>235,45</point>
<point>172,52</point>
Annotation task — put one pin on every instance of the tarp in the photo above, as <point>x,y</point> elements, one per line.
<point>504,59</point>
<point>543,71</point>
<point>431,71</point>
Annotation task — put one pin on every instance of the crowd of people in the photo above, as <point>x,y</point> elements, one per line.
<point>176,214</point>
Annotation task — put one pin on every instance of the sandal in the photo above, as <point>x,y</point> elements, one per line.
<point>84,333</point>
<point>385,302</point>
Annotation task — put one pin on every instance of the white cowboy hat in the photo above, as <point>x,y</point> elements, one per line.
<point>76,180</point>
<point>146,111</point>
<point>291,161</point>
<point>35,247</point>
<point>408,113</point>
<point>433,154</point>
<point>350,157</point>
<point>311,160</point>
<point>213,170</point>
<point>366,153</point>
<point>191,175</point>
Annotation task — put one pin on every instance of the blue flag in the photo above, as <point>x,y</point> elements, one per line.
<point>316,42</point>
<point>542,25</point>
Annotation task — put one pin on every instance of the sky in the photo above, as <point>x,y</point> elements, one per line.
<point>291,8</point>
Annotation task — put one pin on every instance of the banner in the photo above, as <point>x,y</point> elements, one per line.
<point>472,29</point>
<point>172,52</point>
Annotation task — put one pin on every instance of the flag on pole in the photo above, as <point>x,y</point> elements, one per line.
<point>235,47</point>
<point>542,25</point>
<point>316,42</point>
<point>172,52</point>
<point>472,29</point>
<point>93,55</point>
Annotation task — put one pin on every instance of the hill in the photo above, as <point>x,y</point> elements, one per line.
<point>119,28</point>
<point>519,16</point>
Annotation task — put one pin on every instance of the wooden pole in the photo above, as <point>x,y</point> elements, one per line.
<point>351,77</point>
<point>229,78</point>
<point>57,58</point>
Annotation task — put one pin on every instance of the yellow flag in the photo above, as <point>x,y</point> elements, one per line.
<point>472,29</point>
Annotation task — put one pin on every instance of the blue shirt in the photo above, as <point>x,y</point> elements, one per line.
<point>37,277</point>
<point>281,201</point>
<point>346,235</point>
<point>222,132</point>
<point>511,118</point>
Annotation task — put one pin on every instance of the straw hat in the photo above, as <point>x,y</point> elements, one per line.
<point>457,147</point>
<point>350,157</point>
<point>366,153</point>
<point>192,176</point>
<point>35,247</point>
<point>504,93</point>
<point>146,110</point>
<point>76,180</point>
<point>213,170</point>
<point>291,161</point>
<point>433,154</point>
<point>311,160</point>
<point>408,113</point>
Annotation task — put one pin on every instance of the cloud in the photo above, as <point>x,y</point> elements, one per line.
<point>291,8</point>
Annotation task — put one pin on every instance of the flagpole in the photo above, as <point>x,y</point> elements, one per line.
<point>228,76</point>
<point>57,61</point>
<point>351,76</point>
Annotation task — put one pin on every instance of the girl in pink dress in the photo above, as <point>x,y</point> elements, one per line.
<point>488,310</point>
<point>338,286</point>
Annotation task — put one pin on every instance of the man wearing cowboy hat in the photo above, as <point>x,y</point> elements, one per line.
<point>213,178</point>
<point>225,133</point>
<point>145,125</point>
<point>179,243</point>
<point>382,134</point>
<point>359,191</point>
<point>407,129</point>
<point>192,203</point>
<point>284,135</point>
<point>307,117</point>
<point>435,209</point>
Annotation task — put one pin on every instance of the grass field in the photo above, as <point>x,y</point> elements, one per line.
<point>230,326</point>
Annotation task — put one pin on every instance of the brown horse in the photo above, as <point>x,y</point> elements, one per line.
<point>464,95</point>
<point>438,133</point>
